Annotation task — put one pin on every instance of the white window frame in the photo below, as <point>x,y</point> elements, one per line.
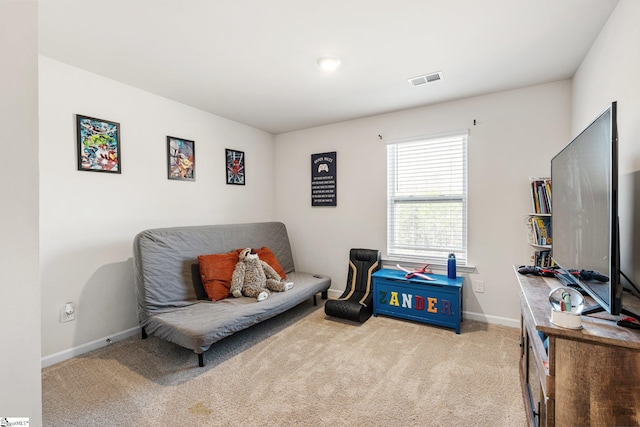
<point>433,253</point>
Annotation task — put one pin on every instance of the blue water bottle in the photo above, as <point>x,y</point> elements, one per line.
<point>451,266</point>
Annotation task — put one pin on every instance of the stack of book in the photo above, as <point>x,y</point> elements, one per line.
<point>539,230</point>
<point>542,259</point>
<point>541,195</point>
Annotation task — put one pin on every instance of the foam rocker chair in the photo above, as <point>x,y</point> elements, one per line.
<point>356,303</point>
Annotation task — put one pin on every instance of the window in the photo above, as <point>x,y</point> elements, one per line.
<point>427,198</point>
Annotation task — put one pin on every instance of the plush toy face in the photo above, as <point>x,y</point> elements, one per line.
<point>248,254</point>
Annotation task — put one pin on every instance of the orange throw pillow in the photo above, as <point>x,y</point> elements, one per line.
<point>216,271</point>
<point>267,256</point>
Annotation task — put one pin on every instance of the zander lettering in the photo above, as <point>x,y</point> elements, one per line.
<point>416,302</point>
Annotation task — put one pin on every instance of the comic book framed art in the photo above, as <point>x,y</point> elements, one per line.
<point>98,145</point>
<point>181,159</point>
<point>235,167</point>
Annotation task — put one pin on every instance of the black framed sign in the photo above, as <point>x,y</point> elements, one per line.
<point>323,179</point>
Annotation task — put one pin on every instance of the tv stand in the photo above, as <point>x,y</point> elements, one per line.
<point>585,377</point>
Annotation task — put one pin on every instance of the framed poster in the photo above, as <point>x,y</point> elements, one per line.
<point>181,159</point>
<point>98,145</point>
<point>235,167</point>
<point>323,179</point>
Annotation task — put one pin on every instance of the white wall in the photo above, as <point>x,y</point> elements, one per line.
<point>516,134</point>
<point>20,394</point>
<point>88,220</point>
<point>610,73</point>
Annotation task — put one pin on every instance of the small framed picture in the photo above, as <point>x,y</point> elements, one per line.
<point>235,167</point>
<point>98,145</point>
<point>181,159</point>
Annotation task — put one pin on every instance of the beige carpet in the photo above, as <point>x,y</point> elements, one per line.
<point>298,369</point>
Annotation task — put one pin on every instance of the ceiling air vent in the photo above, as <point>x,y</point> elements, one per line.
<point>427,78</point>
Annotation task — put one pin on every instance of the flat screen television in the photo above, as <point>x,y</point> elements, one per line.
<point>584,219</point>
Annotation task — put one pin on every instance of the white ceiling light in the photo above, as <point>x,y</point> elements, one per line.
<point>329,63</point>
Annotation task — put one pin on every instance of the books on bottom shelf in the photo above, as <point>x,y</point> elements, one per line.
<point>542,259</point>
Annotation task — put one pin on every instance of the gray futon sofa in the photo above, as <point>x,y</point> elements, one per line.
<point>171,302</point>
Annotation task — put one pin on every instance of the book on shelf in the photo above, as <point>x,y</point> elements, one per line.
<point>543,227</point>
<point>541,195</point>
<point>531,231</point>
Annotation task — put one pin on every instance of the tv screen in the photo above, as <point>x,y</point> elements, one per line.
<point>584,220</point>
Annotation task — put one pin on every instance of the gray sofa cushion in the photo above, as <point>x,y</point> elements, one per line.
<point>199,325</point>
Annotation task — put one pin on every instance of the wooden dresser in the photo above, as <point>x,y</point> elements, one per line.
<point>585,377</point>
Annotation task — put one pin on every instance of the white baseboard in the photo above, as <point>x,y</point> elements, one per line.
<point>497,320</point>
<point>70,353</point>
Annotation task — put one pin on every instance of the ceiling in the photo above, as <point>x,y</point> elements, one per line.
<point>255,61</point>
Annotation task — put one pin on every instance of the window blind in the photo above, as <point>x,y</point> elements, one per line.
<point>427,197</point>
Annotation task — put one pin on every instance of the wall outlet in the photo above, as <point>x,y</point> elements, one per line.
<point>478,286</point>
<point>67,313</point>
